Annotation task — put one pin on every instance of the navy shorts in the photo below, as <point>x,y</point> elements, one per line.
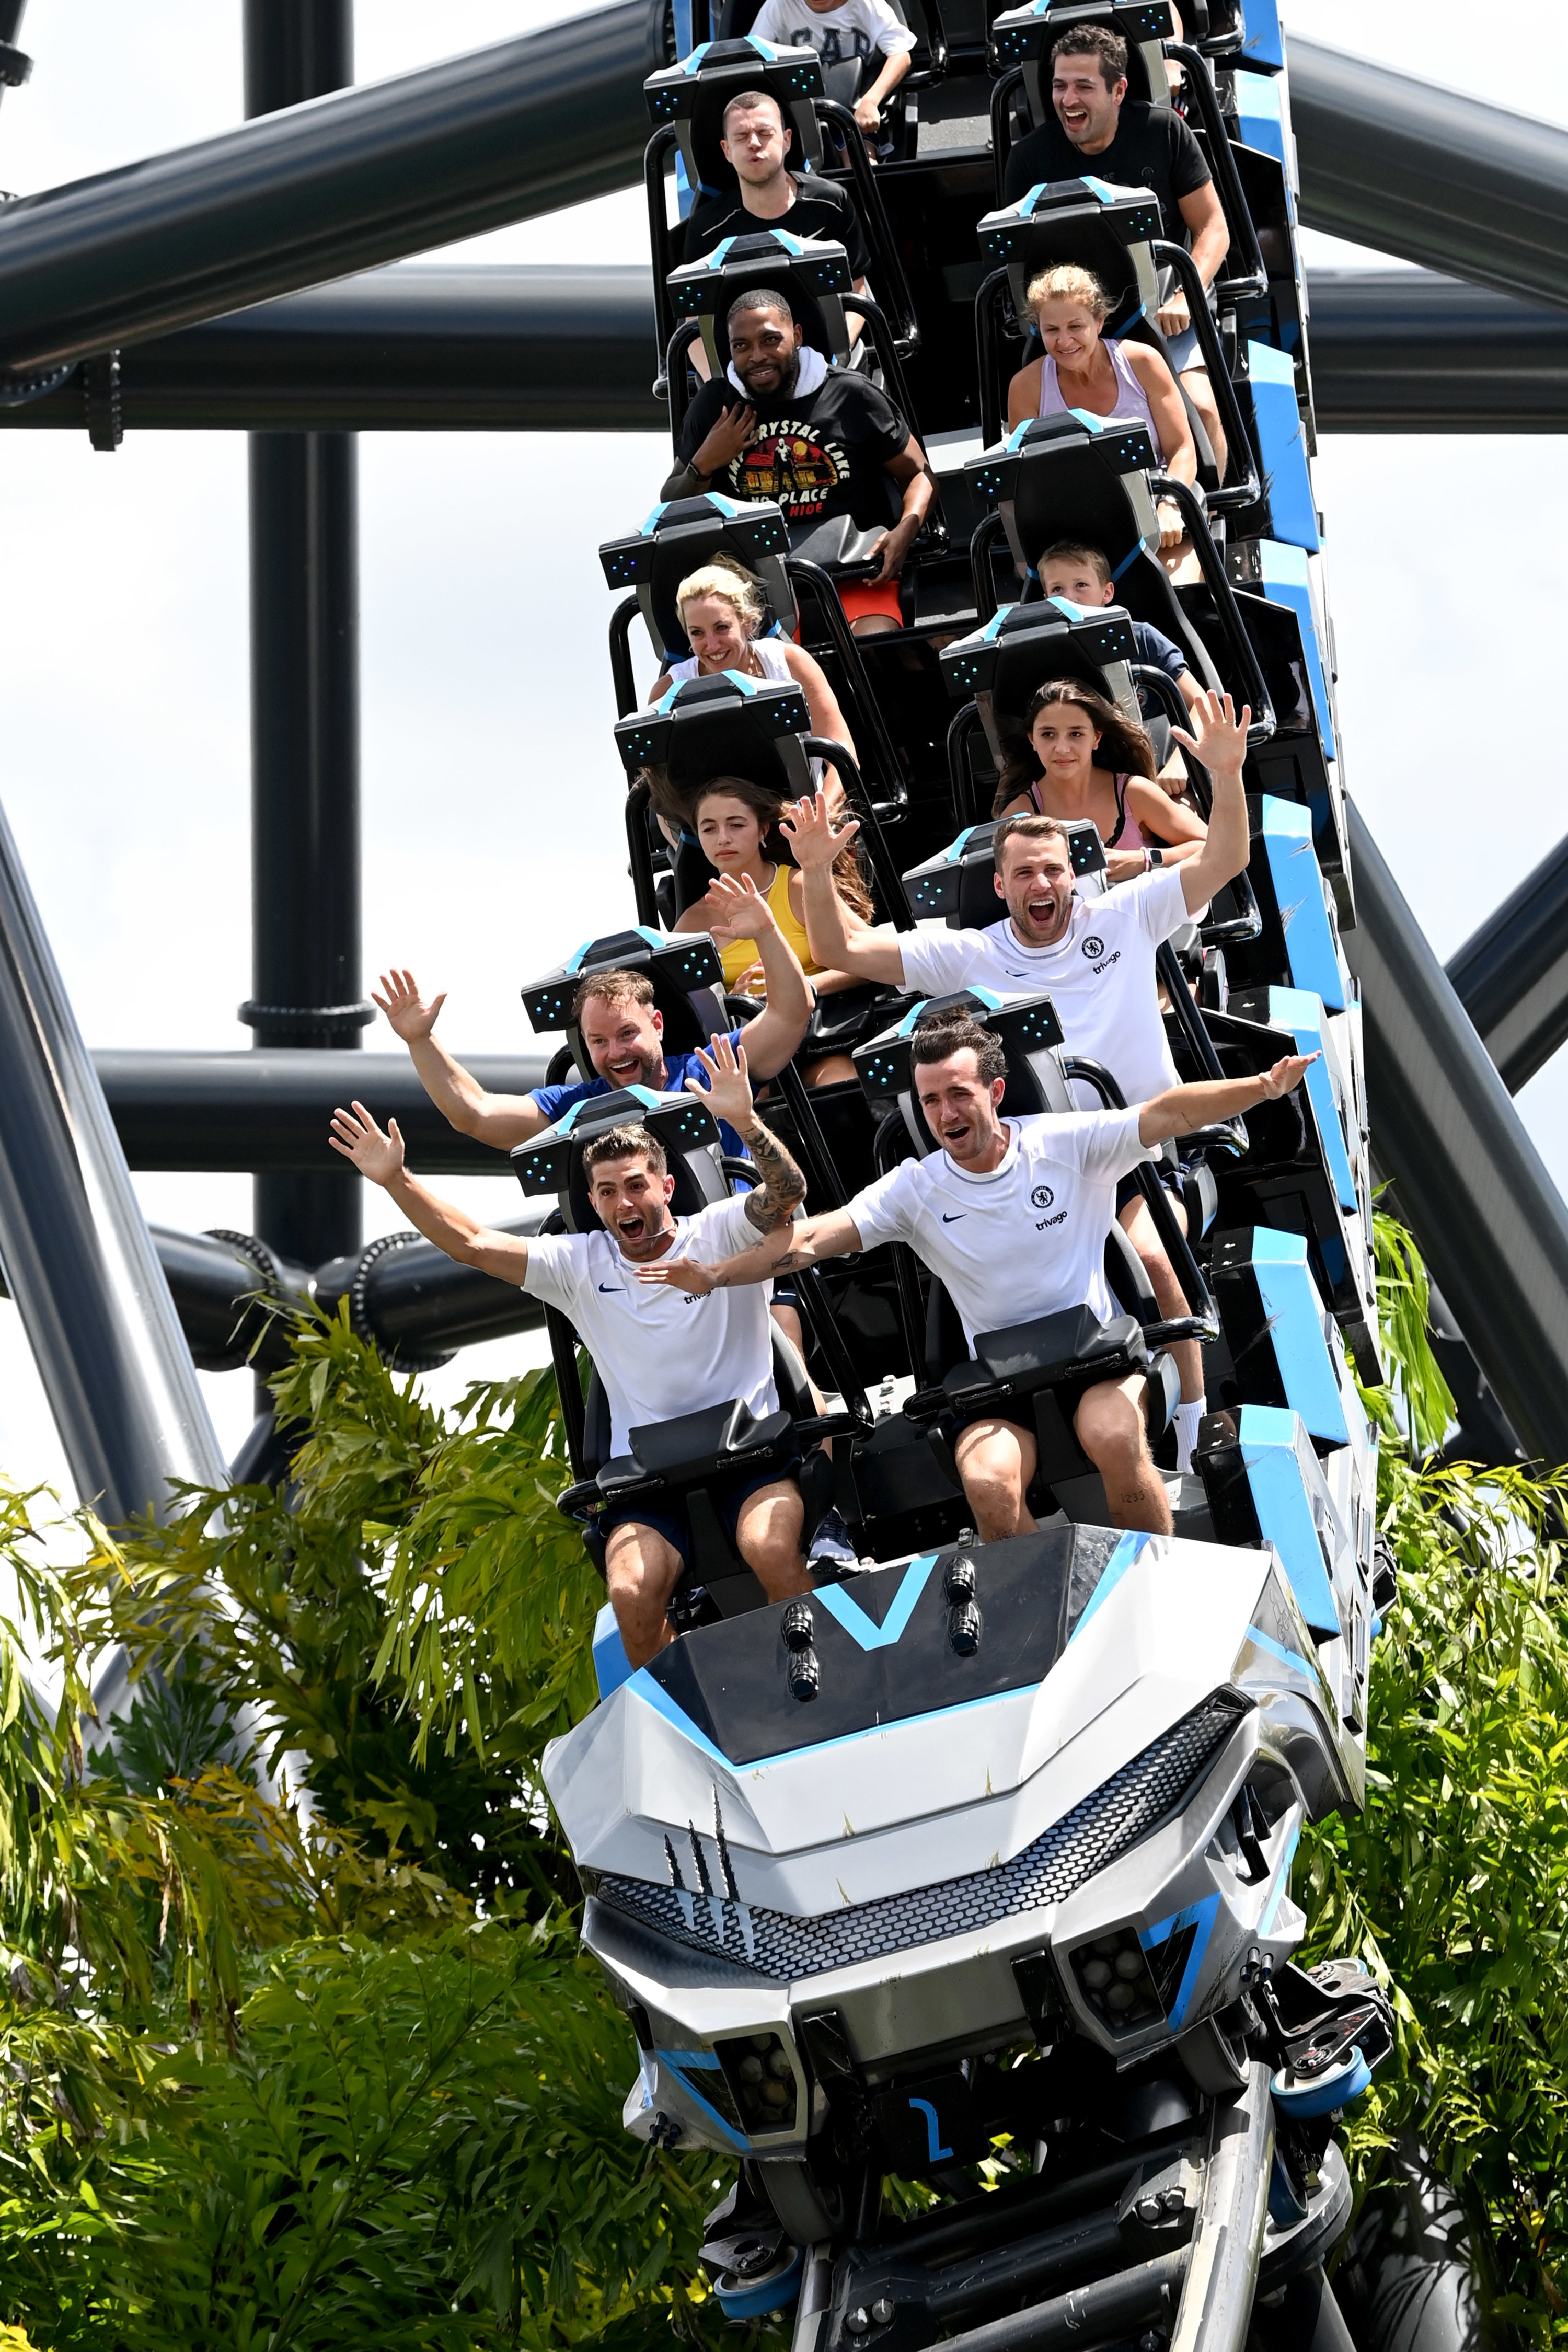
<point>674,1527</point>
<point>1128,1188</point>
<point>784,1293</point>
<point>1182,351</point>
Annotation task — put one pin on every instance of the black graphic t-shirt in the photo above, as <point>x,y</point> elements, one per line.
<point>1152,149</point>
<point>820,454</point>
<point>820,208</point>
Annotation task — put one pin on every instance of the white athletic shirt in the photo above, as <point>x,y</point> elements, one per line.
<point>1099,974</point>
<point>1028,1239</point>
<point>661,1352</point>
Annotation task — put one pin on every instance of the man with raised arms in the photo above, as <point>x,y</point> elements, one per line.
<point>660,1352</point>
<point>621,1028</point>
<point>1094,958</point>
<point>1013,1215</point>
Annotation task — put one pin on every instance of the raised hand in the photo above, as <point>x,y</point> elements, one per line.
<point>734,908</point>
<point>684,1274</point>
<point>1220,737</point>
<point>1285,1074</point>
<point>378,1158</point>
<point>812,838</point>
<point>406,1010</point>
<point>728,1092</point>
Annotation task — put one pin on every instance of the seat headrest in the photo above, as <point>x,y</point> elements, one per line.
<point>676,969</point>
<point>958,883</point>
<point>1023,646</point>
<point>552,1162</point>
<point>692,96</point>
<point>1088,221</point>
<point>723,726</point>
<point>1026,37</point>
<point>679,537</point>
<point>1027,1028</point>
<point>810,272</point>
<point>1072,477</point>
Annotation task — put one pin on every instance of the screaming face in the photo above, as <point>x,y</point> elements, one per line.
<point>633,1204</point>
<point>1036,883</point>
<point>960,1108</point>
<point>625,1042</point>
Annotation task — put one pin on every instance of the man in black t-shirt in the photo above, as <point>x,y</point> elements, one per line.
<point>820,440</point>
<point>1095,129</point>
<point>756,142</point>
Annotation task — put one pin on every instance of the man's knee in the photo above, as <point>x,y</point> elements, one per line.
<point>1109,1426</point>
<point>768,1528</point>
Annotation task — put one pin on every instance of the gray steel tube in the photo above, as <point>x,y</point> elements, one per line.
<point>1428,173</point>
<point>499,134</point>
<point>78,1259</point>
<point>1511,975</point>
<point>1490,1222</point>
<point>547,349</point>
<point>271,1111</point>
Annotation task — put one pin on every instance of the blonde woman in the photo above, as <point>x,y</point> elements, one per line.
<point>1080,369</point>
<point>722,608</point>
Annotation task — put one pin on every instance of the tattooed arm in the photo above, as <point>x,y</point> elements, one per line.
<point>728,1095</point>
<point>784,1252</point>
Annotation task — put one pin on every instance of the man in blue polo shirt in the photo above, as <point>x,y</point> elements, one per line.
<point>621,1032</point>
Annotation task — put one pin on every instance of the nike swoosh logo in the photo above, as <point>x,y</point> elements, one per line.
<point>955,1216</point>
<point>612,1286</point>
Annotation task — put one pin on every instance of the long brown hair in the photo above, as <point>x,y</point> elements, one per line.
<point>1124,747</point>
<point>768,809</point>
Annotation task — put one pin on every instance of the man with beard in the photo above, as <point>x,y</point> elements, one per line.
<point>1094,959</point>
<point>623,1032</point>
<point>660,1353</point>
<point>819,440</point>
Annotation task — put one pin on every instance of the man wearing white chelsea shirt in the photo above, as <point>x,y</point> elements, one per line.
<point>659,1354</point>
<point>1013,1215</point>
<point>1095,958</point>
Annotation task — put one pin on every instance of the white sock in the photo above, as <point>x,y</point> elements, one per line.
<point>1187,1419</point>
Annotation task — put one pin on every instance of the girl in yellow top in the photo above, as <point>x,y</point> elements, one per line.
<point>736,824</point>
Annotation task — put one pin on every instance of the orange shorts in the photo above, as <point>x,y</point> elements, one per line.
<point>859,597</point>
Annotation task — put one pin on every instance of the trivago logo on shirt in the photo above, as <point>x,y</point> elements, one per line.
<point>793,464</point>
<point>1094,953</point>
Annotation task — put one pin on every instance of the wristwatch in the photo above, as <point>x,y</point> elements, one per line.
<point>1155,857</point>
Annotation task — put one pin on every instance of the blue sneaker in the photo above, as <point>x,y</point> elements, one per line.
<point>831,1545</point>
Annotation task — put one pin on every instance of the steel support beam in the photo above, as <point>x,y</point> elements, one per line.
<point>1511,975</point>
<point>77,1260</point>
<point>304,699</point>
<point>1489,1219</point>
<point>496,348</point>
<point>1428,173</point>
<point>499,134</point>
<point>271,1111</point>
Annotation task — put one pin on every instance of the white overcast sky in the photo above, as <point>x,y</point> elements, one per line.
<point>490,787</point>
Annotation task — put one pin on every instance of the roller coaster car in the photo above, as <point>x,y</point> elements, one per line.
<point>1084,478</point>
<point>683,1461</point>
<point>1132,1731</point>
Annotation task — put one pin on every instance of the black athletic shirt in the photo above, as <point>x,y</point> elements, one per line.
<point>820,208</point>
<point>819,455</point>
<point>1152,149</point>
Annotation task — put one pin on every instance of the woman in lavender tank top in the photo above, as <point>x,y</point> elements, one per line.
<point>1127,381</point>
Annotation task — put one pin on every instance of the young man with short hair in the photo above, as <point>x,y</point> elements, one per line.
<point>1095,129</point>
<point>1094,958</point>
<point>756,142</point>
<point>660,1352</point>
<point>1013,1215</point>
<point>622,1031</point>
<point>847,34</point>
<point>819,441</point>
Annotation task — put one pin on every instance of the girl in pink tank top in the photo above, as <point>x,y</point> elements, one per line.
<point>1054,772</point>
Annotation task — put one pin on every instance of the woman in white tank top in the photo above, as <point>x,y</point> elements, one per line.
<point>1125,381</point>
<point>720,608</point>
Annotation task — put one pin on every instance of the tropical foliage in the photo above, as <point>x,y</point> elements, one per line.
<point>294,2077</point>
